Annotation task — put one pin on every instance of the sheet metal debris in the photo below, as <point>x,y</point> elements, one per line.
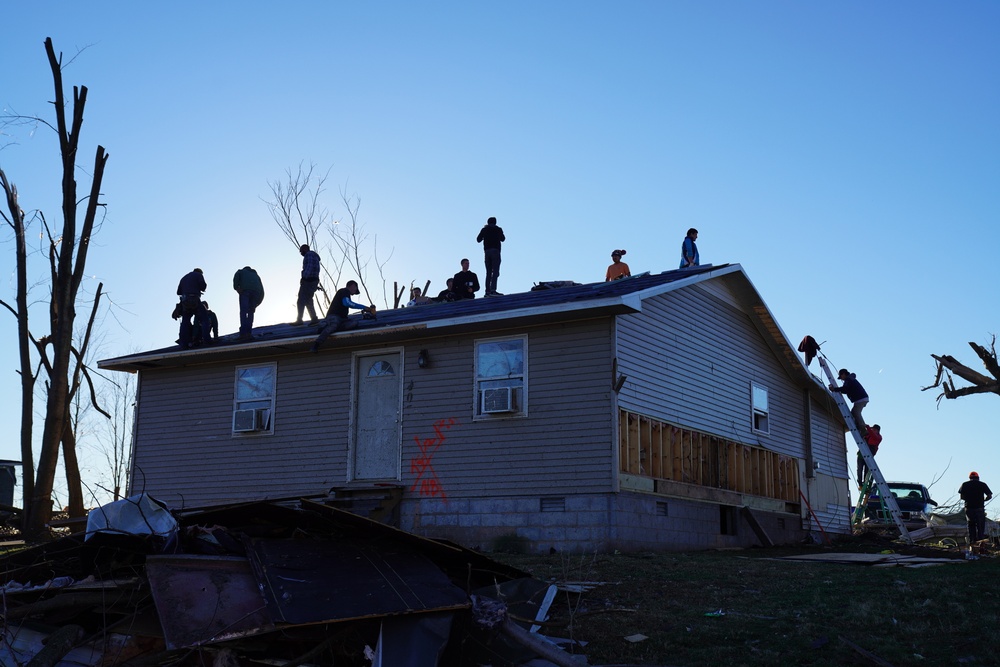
<point>264,583</point>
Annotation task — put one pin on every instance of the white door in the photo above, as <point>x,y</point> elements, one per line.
<point>377,417</point>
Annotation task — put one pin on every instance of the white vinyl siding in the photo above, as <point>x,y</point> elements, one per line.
<point>690,357</point>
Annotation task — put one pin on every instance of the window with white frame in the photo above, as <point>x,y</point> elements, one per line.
<point>761,415</point>
<point>501,377</point>
<point>253,402</point>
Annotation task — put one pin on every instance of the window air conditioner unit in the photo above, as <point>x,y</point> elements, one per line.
<point>248,421</point>
<point>498,400</point>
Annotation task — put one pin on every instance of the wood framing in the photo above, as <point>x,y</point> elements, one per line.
<point>652,448</point>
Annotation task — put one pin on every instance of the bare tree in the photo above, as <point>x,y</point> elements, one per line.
<point>296,207</point>
<point>297,210</point>
<point>981,384</point>
<point>119,395</point>
<point>58,356</point>
<point>353,241</point>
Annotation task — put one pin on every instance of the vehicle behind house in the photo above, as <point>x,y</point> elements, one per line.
<point>915,505</point>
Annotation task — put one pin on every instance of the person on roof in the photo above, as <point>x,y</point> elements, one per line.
<point>189,290</point>
<point>447,294</point>
<point>337,316</point>
<point>248,285</point>
<point>975,494</point>
<point>854,391</point>
<point>491,236</point>
<point>873,438</point>
<point>618,268</point>
<point>213,327</point>
<point>465,284</point>
<point>308,284</point>
<point>689,250</point>
<point>416,298</point>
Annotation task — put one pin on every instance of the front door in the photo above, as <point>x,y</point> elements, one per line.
<point>377,416</point>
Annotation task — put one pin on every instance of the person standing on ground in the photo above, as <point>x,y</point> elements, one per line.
<point>689,250</point>
<point>308,284</point>
<point>465,284</point>
<point>491,236</point>
<point>337,316</point>
<point>873,438</point>
<point>189,290</point>
<point>975,494</point>
<point>618,268</point>
<point>854,391</point>
<point>248,285</point>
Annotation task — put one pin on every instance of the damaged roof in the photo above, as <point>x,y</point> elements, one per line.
<point>538,306</point>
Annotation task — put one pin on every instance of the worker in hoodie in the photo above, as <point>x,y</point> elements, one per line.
<point>854,391</point>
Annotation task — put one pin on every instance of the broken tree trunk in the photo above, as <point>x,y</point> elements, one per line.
<point>981,384</point>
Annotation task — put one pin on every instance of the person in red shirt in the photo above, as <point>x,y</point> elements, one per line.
<point>873,438</point>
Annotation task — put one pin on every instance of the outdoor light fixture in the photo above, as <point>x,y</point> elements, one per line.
<point>423,359</point>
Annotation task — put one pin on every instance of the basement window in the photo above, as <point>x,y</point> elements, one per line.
<point>727,520</point>
<point>253,400</point>
<point>761,416</point>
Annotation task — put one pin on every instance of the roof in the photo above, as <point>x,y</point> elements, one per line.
<point>539,306</point>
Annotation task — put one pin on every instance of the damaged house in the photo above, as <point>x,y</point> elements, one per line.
<point>656,412</point>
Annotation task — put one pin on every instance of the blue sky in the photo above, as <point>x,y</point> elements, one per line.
<point>846,154</point>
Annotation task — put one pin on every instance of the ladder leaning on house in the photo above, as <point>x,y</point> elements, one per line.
<point>875,475</point>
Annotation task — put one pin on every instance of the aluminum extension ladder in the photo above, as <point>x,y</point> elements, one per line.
<point>885,495</point>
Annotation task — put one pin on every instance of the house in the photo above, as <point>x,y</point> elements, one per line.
<point>656,412</point>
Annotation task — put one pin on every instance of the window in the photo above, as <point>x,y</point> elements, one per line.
<point>254,399</point>
<point>501,387</point>
<point>761,416</point>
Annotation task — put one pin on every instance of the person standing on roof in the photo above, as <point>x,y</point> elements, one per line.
<point>689,250</point>
<point>854,391</point>
<point>465,284</point>
<point>491,236</point>
<point>873,438</point>
<point>308,284</point>
<point>337,316</point>
<point>975,494</point>
<point>248,285</point>
<point>618,268</point>
<point>189,289</point>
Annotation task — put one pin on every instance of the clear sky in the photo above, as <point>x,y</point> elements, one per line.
<point>846,154</point>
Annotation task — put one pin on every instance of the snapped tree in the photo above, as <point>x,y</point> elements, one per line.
<point>980,384</point>
<point>60,353</point>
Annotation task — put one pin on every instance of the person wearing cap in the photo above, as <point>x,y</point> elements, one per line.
<point>975,494</point>
<point>308,284</point>
<point>854,391</point>
<point>689,250</point>
<point>618,268</point>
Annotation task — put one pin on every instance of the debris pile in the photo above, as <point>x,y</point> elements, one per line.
<point>266,583</point>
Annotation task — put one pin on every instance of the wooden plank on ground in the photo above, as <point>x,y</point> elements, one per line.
<point>757,528</point>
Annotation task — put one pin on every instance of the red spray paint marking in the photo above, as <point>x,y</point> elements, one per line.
<point>427,483</point>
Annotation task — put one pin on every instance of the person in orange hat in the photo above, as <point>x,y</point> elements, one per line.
<point>975,494</point>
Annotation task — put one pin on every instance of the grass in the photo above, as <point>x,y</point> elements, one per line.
<point>773,612</point>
